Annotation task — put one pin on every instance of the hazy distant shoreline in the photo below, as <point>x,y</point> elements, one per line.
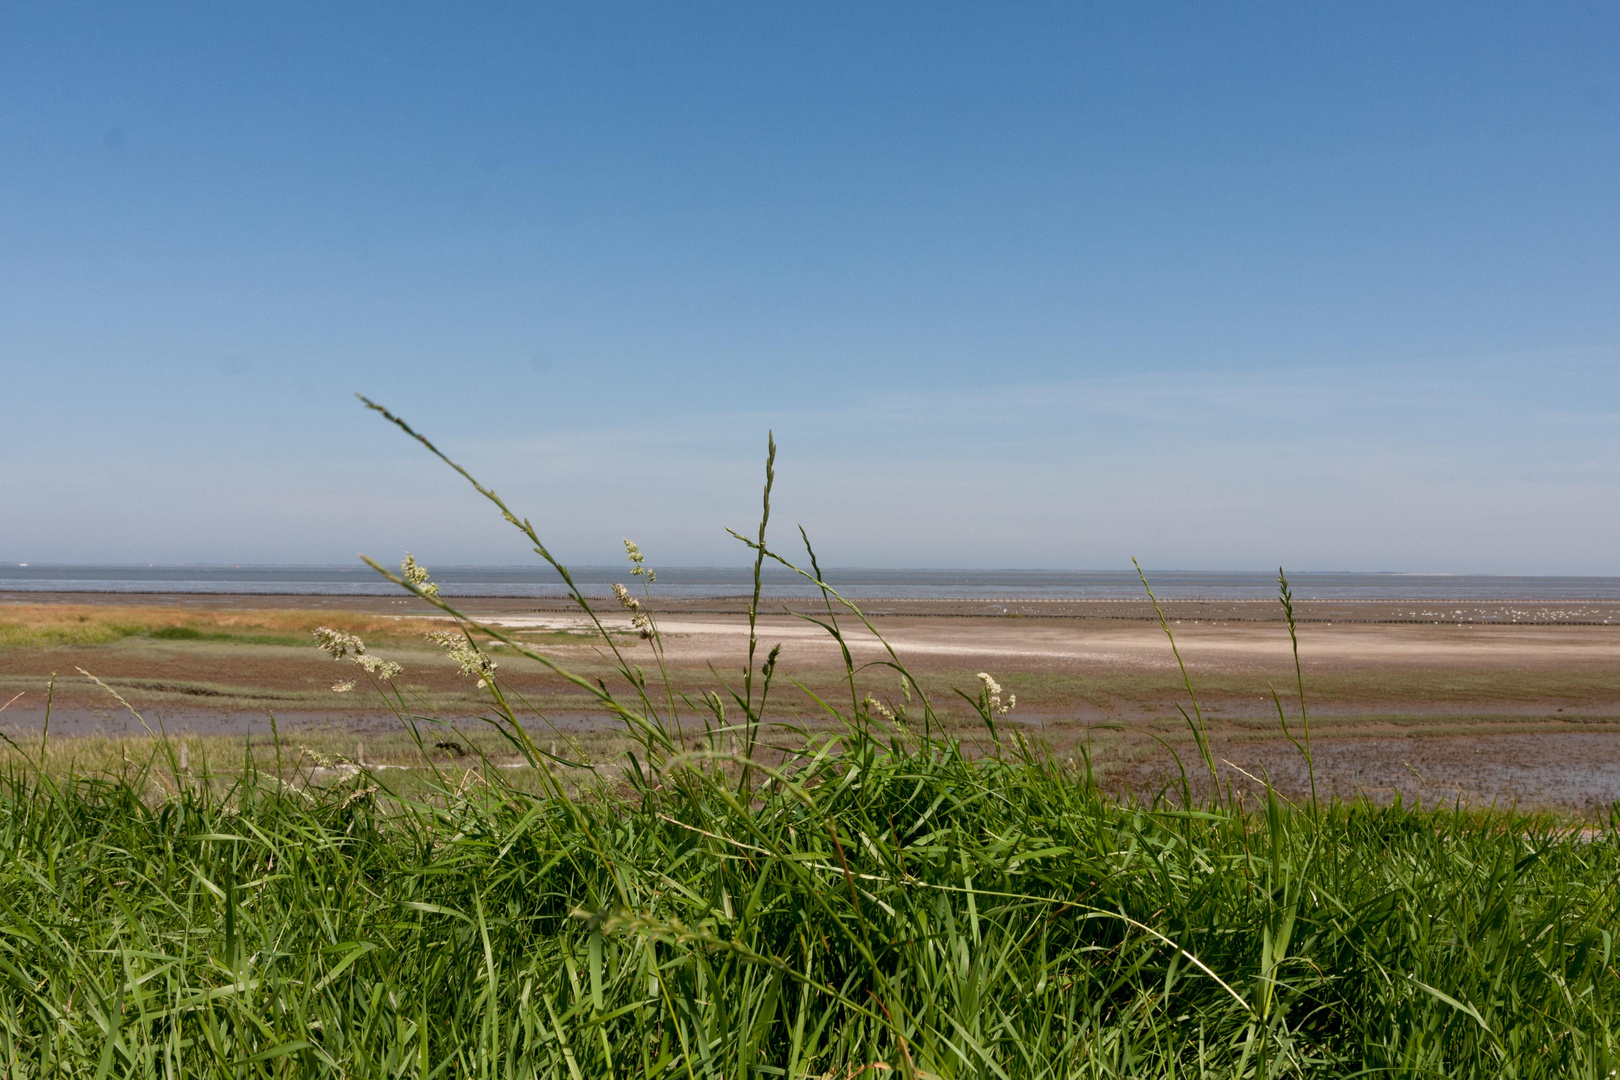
<point>862,583</point>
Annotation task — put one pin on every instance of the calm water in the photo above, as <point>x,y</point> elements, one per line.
<point>867,584</point>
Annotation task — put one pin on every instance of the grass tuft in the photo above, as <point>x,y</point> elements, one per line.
<point>177,633</point>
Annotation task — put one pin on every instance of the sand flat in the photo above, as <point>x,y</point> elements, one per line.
<point>1381,679</point>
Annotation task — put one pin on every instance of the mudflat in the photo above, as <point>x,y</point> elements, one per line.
<point>1512,702</point>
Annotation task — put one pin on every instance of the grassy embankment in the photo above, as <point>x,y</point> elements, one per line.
<point>865,901</point>
<point>57,625</point>
<point>252,661</point>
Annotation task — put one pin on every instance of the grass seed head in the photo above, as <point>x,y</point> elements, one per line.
<point>473,662</point>
<point>339,643</point>
<point>377,667</point>
<point>872,704</point>
<point>638,618</point>
<point>991,694</point>
<point>634,555</point>
<point>415,573</point>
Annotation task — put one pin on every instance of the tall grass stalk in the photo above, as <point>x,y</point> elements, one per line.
<point>858,901</point>
<point>1285,596</point>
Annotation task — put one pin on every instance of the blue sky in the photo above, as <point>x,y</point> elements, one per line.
<point>1221,286</point>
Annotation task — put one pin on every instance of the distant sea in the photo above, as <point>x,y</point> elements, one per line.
<point>867,584</point>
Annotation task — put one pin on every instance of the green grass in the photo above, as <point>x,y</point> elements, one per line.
<point>735,897</point>
<point>897,901</point>
<point>24,626</point>
<point>191,633</point>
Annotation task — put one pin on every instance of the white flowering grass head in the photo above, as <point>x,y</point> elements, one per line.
<point>873,705</point>
<point>340,645</point>
<point>990,695</point>
<point>415,573</point>
<point>377,667</point>
<point>640,620</point>
<point>634,555</point>
<point>472,661</point>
